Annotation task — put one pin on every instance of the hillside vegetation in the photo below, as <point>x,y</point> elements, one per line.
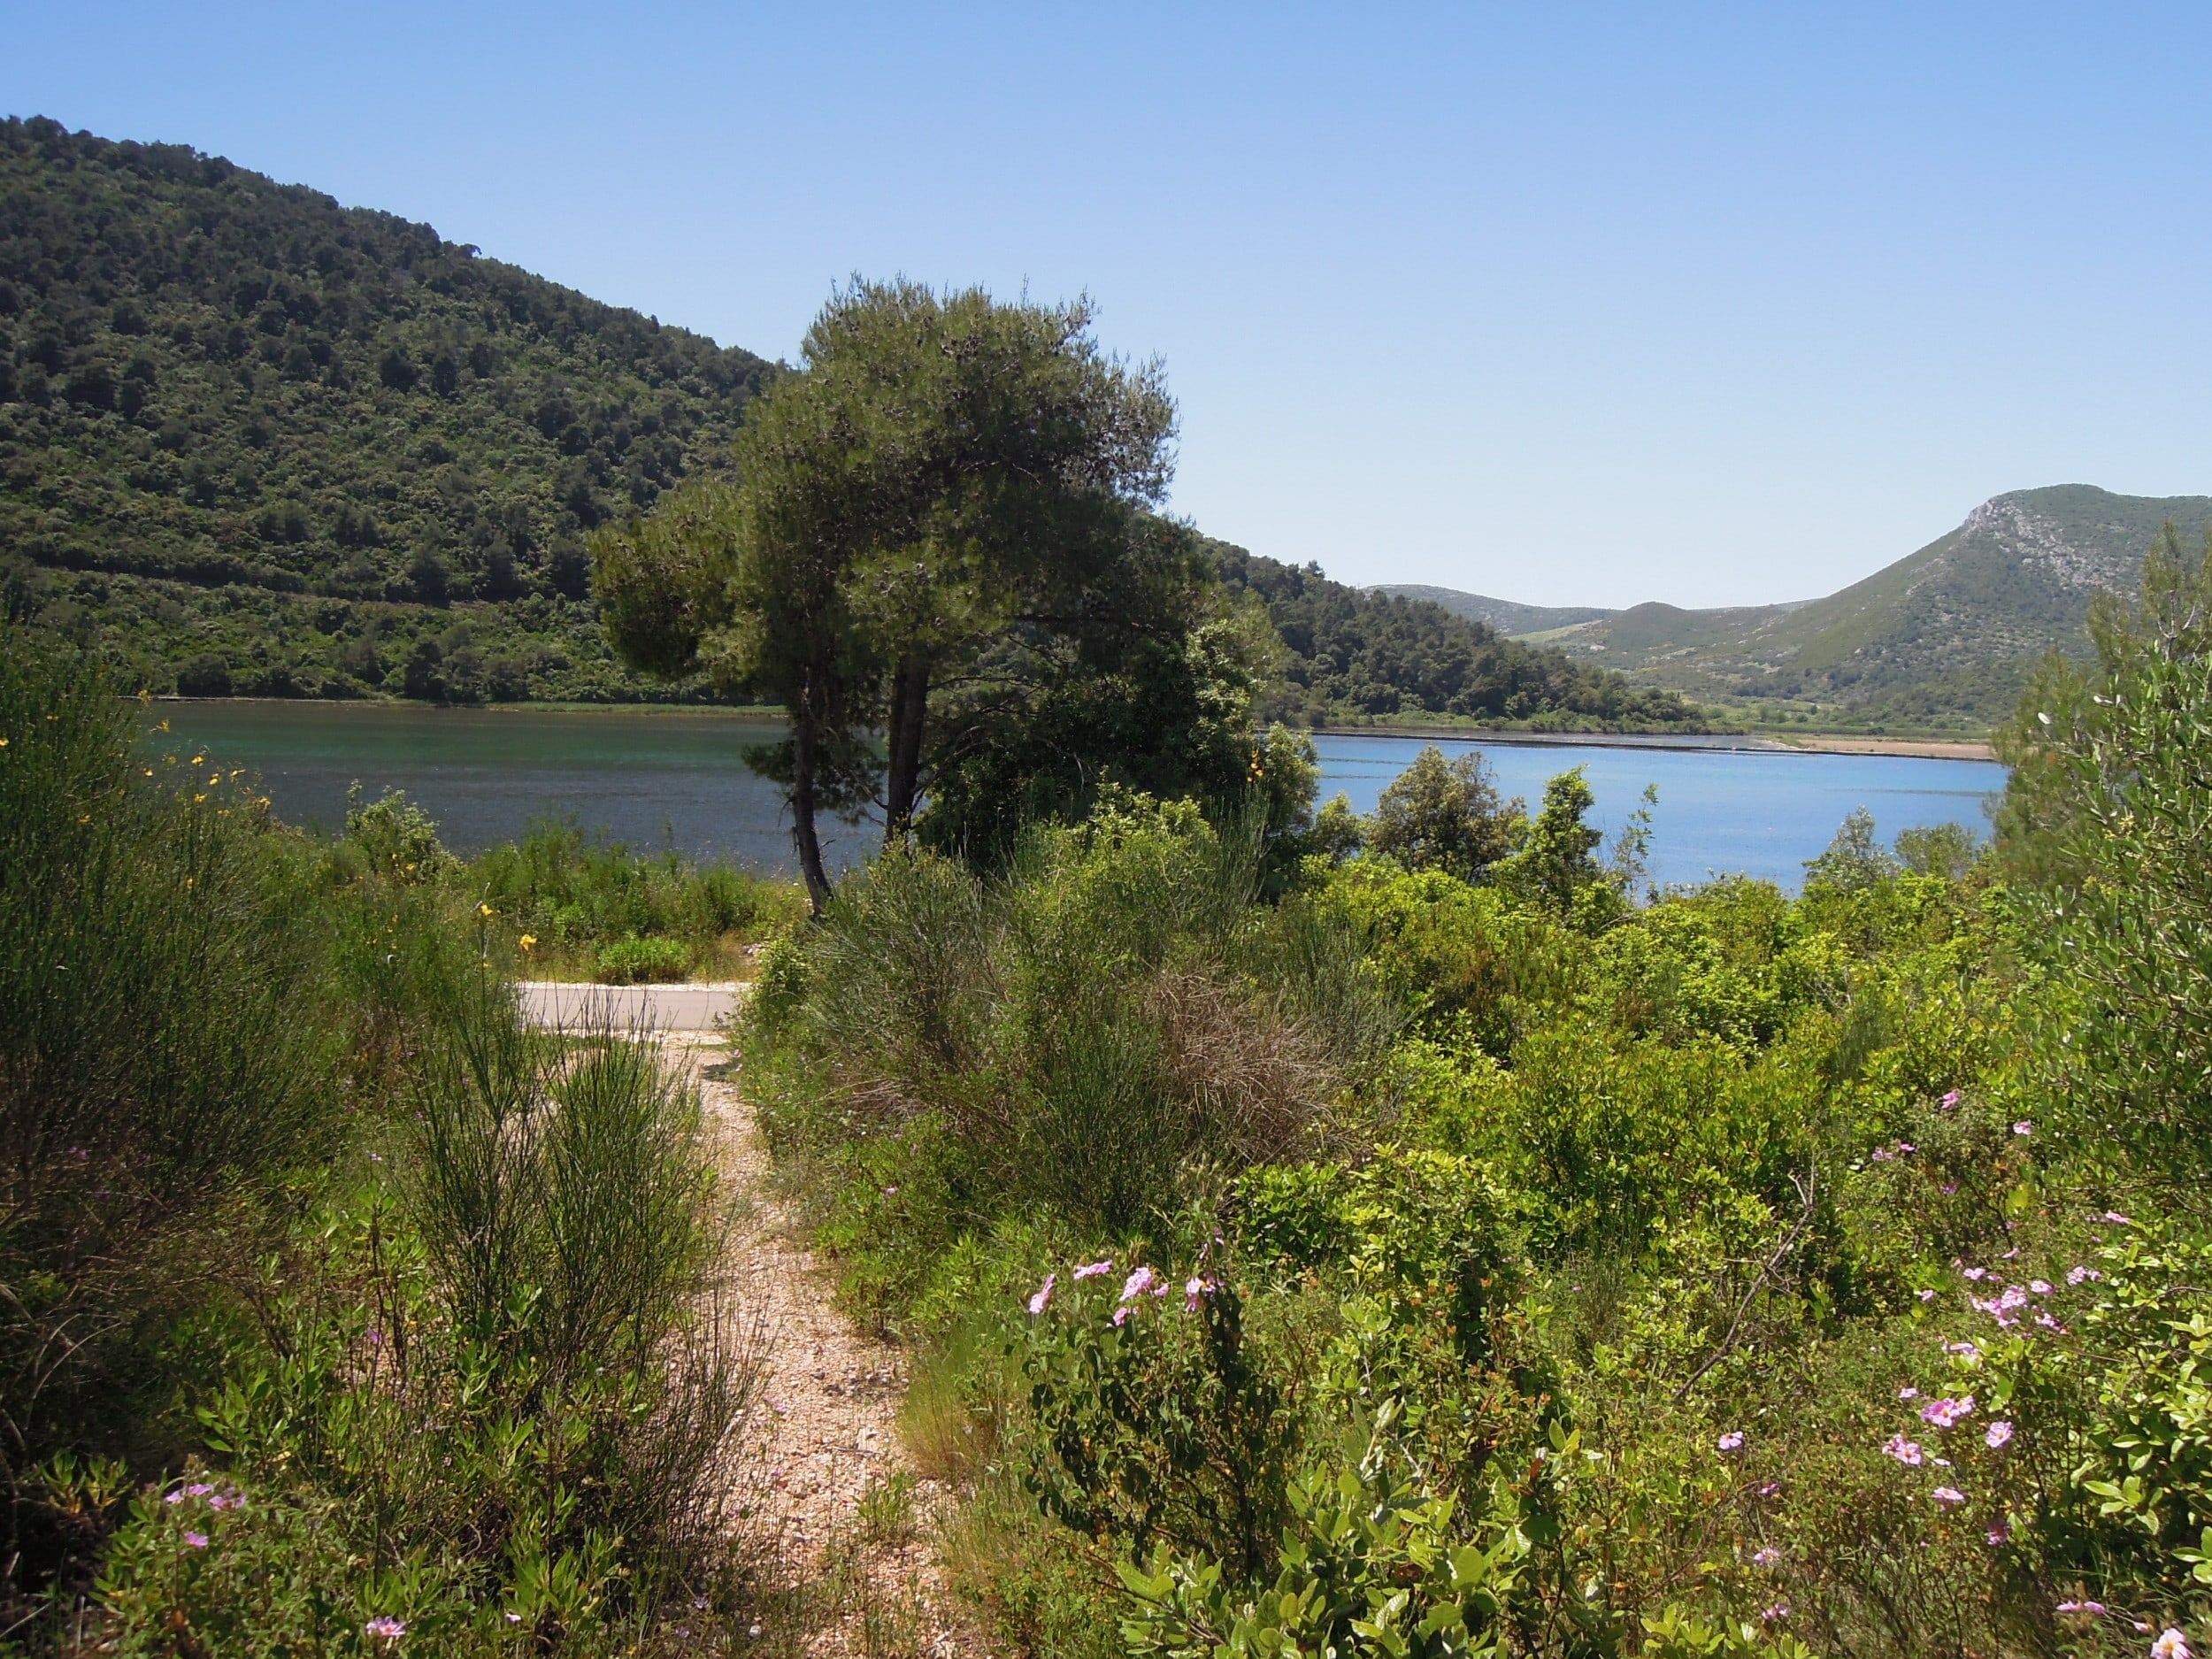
<point>255,443</point>
<point>1944,639</point>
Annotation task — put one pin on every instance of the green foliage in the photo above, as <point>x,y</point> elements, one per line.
<point>2110,811</point>
<point>276,447</point>
<point>169,1053</point>
<point>635,960</point>
<point>1445,815</point>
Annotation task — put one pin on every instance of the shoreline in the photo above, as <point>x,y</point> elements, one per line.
<point>1735,743</point>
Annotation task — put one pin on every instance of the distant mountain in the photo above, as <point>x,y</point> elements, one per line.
<point>252,441</point>
<point>1503,614</point>
<point>1945,636</point>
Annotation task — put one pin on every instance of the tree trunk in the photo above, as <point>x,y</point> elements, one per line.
<point>802,832</point>
<point>910,709</point>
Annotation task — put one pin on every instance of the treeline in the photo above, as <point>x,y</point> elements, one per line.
<point>256,443</point>
<point>1354,654</point>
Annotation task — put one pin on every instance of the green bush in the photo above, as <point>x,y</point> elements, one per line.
<point>635,960</point>
<point>168,1057</point>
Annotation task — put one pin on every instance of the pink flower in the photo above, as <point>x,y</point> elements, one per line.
<point>1946,1413</point>
<point>1731,1441</point>
<point>2024,1128</point>
<point>1776,1614</point>
<point>1966,1350</point>
<point>384,1627</point>
<point>2040,1287</point>
<point>2171,1644</point>
<point>1976,1273</point>
<point>196,1541</point>
<point>232,1501</point>
<point>1138,1282</point>
<point>2085,1610</point>
<point>1043,1299</point>
<point>1905,1148</point>
<point>198,1489</point>
<point>1765,1557</point>
<point>1905,1451</point>
<point>1909,1393</point>
<point>2049,1323</point>
<point>1193,1289</point>
<point>1950,1187</point>
<point>1121,1314</point>
<point>1950,1102</point>
<point>2082,1275</point>
<point>1997,1434</point>
<point>2001,1534</point>
<point>1927,1295</point>
<point>2116,1218</point>
<point>1093,1270</point>
<point>1950,1497</point>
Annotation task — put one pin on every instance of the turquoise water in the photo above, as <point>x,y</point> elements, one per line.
<point>676,779</point>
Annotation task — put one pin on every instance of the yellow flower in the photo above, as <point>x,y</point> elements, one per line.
<point>214,778</point>
<point>199,760</point>
<point>149,771</point>
<point>198,799</point>
<point>483,910</point>
<point>4,742</point>
<point>84,817</point>
<point>145,697</point>
<point>528,942</point>
<point>163,726</point>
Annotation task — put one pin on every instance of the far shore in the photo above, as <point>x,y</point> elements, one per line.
<point>1795,744</point>
<point>1743,743</point>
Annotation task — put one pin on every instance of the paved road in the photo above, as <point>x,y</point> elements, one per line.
<point>664,1008</point>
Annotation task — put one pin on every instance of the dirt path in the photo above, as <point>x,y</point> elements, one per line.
<point>831,1506</point>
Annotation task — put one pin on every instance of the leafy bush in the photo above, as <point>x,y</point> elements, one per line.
<point>643,961</point>
<point>168,1055</point>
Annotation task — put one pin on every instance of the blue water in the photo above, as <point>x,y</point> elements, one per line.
<point>1720,811</point>
<point>676,779</point>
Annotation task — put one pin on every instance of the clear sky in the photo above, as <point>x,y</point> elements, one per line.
<point>1559,303</point>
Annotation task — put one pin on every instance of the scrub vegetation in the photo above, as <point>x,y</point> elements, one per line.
<point>1438,1251</point>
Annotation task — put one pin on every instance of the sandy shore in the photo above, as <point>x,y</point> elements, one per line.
<point>1914,748</point>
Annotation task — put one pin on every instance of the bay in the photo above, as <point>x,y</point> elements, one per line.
<point>675,778</point>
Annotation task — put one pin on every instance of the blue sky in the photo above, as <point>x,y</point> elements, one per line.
<point>1567,303</point>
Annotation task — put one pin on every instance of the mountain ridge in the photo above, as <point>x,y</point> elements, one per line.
<point>1945,635</point>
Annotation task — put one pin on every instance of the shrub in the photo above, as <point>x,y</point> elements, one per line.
<point>635,960</point>
<point>167,1057</point>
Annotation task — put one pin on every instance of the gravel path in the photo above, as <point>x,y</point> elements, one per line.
<point>824,1434</point>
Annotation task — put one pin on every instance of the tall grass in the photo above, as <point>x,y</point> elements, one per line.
<point>167,1056</point>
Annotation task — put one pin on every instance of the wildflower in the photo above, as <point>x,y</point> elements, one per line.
<point>1998,1434</point>
<point>1768,1488</point>
<point>2040,1287</point>
<point>2013,1297</point>
<point>1776,1614</point>
<point>1976,1273</point>
<point>2082,1275</point>
<point>196,1541</point>
<point>1965,1350</point>
<point>199,760</point>
<point>1121,1314</point>
<point>173,1497</point>
<point>1905,1451</point>
<point>227,1500</point>
<point>1949,1102</point>
<point>1927,1295</point>
<point>1138,1282</point>
<point>2085,1610</point>
<point>528,942</point>
<point>1765,1557</point>
<point>1905,1148</point>
<point>1950,1187</point>
<point>1950,1497</point>
<point>384,1627</point>
<point>1194,1288</point>
<point>1909,1393</point>
<point>2116,1218</point>
<point>163,726</point>
<point>483,910</point>
<point>1092,1269</point>
<point>1881,1155</point>
<point>1946,1413</point>
<point>1043,1298</point>
<point>2171,1644</point>
<point>2001,1534</point>
<point>2049,1323</point>
<point>198,1489</point>
<point>1731,1441</point>
<point>2024,1128</point>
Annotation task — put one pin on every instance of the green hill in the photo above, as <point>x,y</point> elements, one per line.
<point>1942,638</point>
<point>1504,615</point>
<point>253,441</point>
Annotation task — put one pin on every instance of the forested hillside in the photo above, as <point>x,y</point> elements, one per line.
<point>1363,652</point>
<point>253,442</point>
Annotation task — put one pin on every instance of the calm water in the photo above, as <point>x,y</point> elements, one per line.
<point>675,780</point>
